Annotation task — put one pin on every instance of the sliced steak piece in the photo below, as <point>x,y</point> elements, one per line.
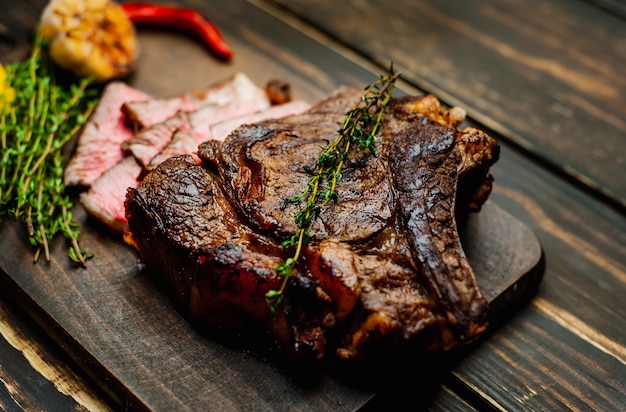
<point>105,198</point>
<point>238,88</point>
<point>148,142</point>
<point>98,146</point>
<point>182,143</point>
<point>204,120</point>
<point>202,129</point>
<point>383,271</point>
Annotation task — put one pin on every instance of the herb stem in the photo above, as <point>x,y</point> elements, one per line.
<point>44,241</point>
<point>36,123</point>
<point>72,236</point>
<point>359,126</point>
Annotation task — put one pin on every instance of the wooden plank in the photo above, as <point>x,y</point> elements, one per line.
<point>32,391</point>
<point>546,74</point>
<point>567,350</point>
<point>547,368</point>
<point>616,7</point>
<point>584,242</point>
<point>35,374</point>
<point>448,400</point>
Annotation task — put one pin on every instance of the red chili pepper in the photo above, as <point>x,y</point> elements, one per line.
<point>180,18</point>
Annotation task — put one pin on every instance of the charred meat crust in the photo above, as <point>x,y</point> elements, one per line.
<point>384,271</point>
<point>218,270</point>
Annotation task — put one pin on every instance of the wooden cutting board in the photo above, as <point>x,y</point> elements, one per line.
<point>121,328</point>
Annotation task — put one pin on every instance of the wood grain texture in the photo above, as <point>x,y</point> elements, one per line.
<point>616,7</point>
<point>548,352</point>
<point>450,401</point>
<point>547,75</point>
<point>568,345</point>
<point>34,374</point>
<point>584,241</point>
<point>32,391</point>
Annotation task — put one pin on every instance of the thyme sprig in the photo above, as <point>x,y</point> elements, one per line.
<point>359,129</point>
<point>37,119</point>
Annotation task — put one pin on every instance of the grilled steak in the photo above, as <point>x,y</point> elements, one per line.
<point>384,272</point>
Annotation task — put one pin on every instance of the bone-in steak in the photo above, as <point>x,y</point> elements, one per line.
<point>384,271</point>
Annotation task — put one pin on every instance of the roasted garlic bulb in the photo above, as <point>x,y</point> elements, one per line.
<point>90,37</point>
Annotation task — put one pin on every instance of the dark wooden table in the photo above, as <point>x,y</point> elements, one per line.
<point>545,77</point>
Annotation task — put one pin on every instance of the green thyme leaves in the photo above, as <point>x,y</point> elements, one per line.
<point>358,130</point>
<point>38,117</point>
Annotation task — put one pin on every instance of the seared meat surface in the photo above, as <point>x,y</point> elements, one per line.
<point>217,266</point>
<point>384,271</point>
